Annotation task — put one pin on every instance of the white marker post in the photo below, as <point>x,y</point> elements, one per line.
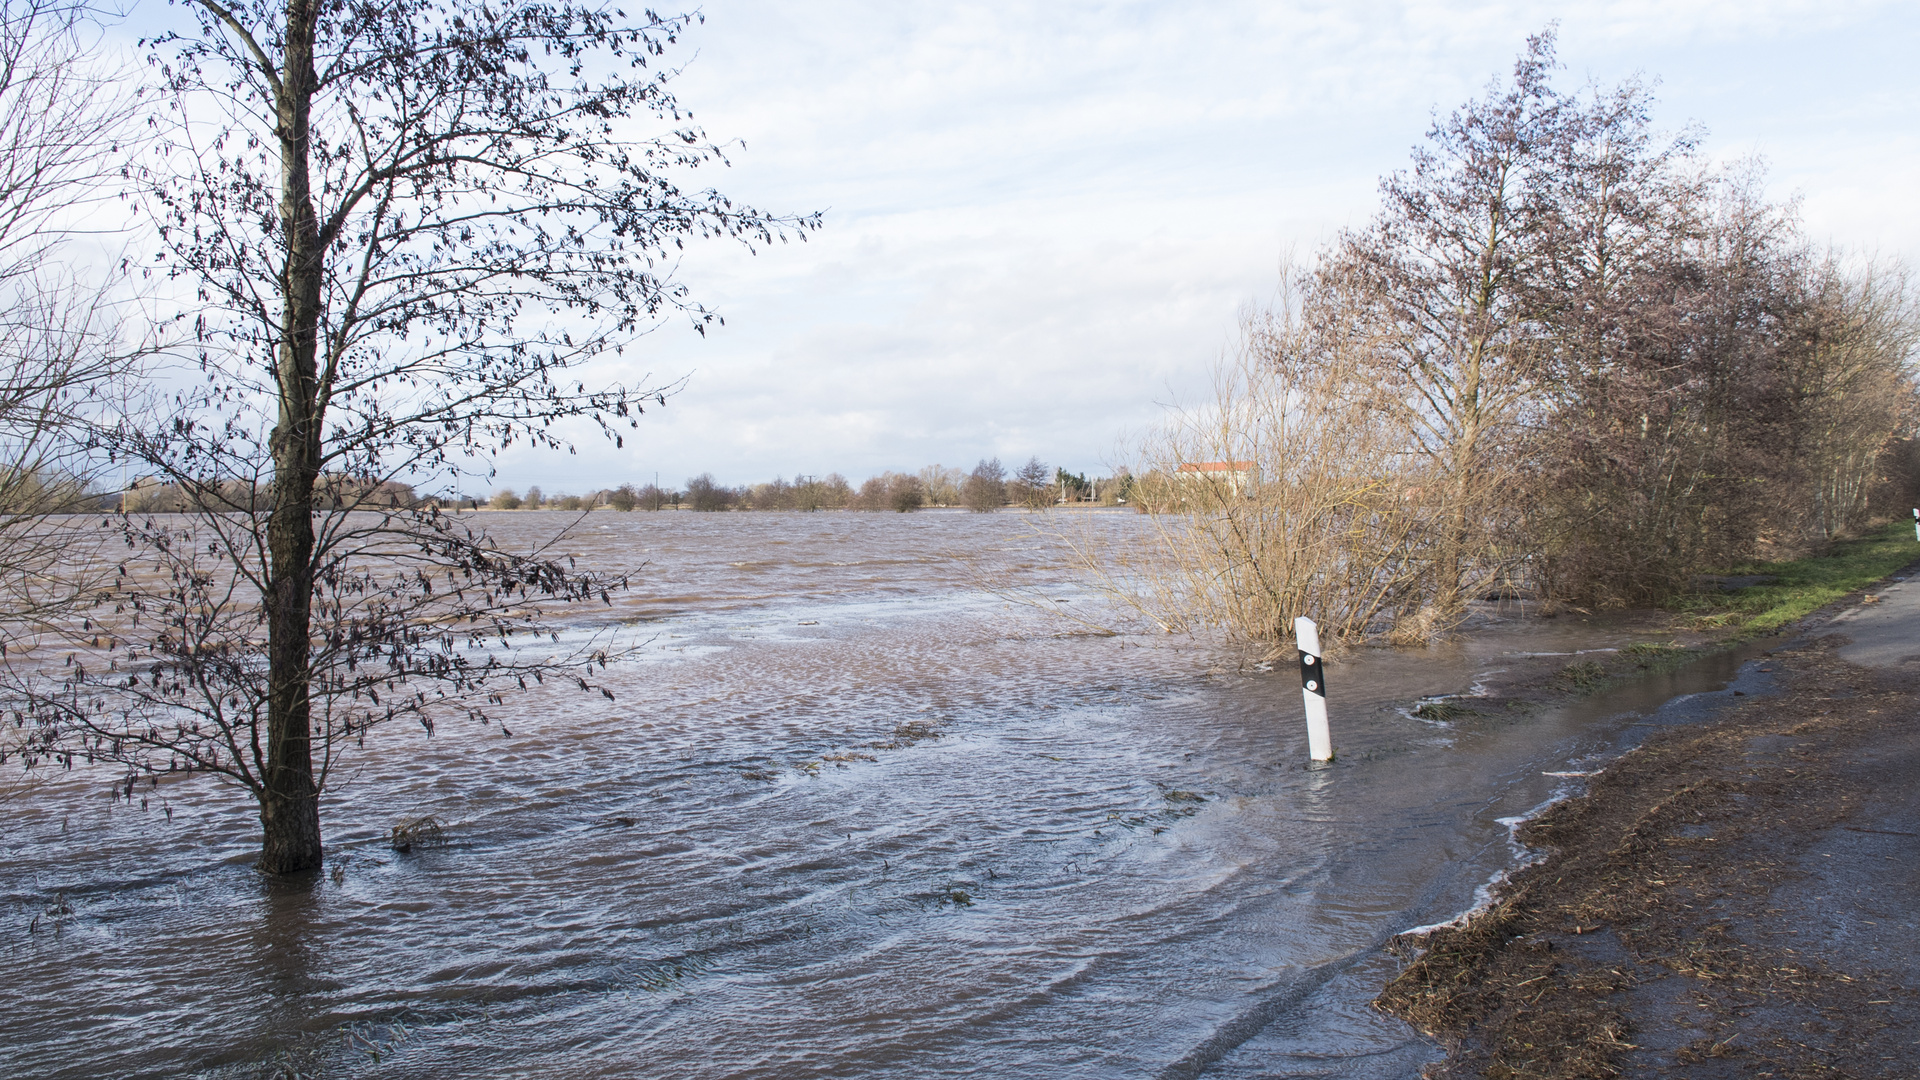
<point>1916,523</point>
<point>1313,688</point>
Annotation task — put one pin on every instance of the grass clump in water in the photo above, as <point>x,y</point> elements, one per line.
<point>1441,712</point>
<point>1650,654</point>
<point>421,832</point>
<point>1585,675</point>
<point>905,735</point>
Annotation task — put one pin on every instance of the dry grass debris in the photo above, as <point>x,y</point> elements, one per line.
<point>1661,936</point>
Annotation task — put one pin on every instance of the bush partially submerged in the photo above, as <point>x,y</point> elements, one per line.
<point>421,832</point>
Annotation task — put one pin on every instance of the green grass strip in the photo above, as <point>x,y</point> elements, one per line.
<point>1808,584</point>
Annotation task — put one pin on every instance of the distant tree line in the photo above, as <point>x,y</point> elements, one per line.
<point>988,487</point>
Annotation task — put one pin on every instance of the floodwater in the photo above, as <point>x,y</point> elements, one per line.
<point>850,815</point>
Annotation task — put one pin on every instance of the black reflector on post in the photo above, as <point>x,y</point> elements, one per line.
<point>1313,675</point>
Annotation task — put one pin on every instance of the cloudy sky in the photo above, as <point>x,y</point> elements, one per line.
<point>1043,217</point>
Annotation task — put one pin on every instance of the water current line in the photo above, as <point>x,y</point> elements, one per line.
<point>1694,706</point>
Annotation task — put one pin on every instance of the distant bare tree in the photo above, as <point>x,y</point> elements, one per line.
<point>623,498</point>
<point>704,493</point>
<point>776,494</point>
<point>899,492</point>
<point>985,489</point>
<point>1032,485</point>
<point>942,484</point>
<point>905,493</point>
<point>816,493</point>
<point>650,497</point>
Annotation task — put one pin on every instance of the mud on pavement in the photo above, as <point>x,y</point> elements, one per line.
<point>1740,899</point>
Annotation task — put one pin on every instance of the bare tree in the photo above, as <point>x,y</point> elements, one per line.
<point>985,488</point>
<point>706,494</point>
<point>646,497</point>
<point>60,114</point>
<point>1032,485</point>
<point>942,484</point>
<point>816,493</point>
<point>409,227</point>
<point>775,494</point>
<point>900,492</point>
<point>1438,291</point>
<point>1849,367</point>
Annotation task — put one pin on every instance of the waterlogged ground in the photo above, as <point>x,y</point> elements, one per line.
<point>849,815</point>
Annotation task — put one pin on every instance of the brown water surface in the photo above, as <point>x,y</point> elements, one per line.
<point>849,815</point>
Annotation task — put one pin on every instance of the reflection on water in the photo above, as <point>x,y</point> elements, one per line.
<point>850,816</point>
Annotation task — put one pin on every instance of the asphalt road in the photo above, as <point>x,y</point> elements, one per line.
<point>1885,633</point>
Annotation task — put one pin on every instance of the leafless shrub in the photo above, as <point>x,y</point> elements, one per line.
<point>420,832</point>
<point>1291,493</point>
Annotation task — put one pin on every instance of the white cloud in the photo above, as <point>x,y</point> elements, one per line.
<point>1044,216</point>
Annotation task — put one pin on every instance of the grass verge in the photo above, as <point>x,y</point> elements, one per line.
<point>1805,585</point>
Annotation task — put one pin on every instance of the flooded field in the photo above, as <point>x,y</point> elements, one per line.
<point>849,815</point>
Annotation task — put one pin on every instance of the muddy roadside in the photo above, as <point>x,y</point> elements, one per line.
<point>1734,899</point>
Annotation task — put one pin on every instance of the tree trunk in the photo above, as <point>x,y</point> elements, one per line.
<point>289,797</point>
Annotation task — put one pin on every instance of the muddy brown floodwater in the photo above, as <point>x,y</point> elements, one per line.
<point>850,815</point>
